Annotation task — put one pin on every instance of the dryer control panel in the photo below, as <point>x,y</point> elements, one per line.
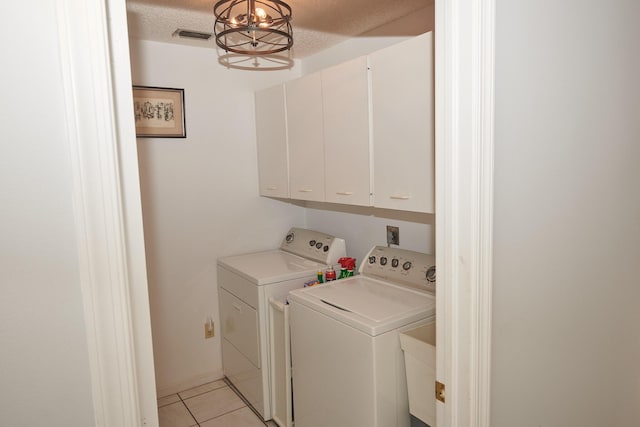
<point>320,247</point>
<point>401,266</point>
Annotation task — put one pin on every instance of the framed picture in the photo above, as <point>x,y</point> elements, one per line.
<point>159,112</point>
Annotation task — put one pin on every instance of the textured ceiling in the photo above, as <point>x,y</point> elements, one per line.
<point>317,24</point>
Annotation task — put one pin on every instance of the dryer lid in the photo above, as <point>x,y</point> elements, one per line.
<point>263,268</point>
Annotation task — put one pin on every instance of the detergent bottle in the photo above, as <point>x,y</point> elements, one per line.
<point>330,274</point>
<point>344,262</point>
<point>351,266</point>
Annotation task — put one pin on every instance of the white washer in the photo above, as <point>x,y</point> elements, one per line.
<point>348,366</point>
<point>245,284</point>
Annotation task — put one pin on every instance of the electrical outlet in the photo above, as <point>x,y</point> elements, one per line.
<point>209,330</point>
<point>393,235</point>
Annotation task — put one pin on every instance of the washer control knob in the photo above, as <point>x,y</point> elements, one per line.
<point>383,260</point>
<point>318,245</point>
<point>395,262</point>
<point>372,259</point>
<point>406,265</point>
<point>312,242</point>
<point>326,248</point>
<point>431,274</point>
<point>290,237</point>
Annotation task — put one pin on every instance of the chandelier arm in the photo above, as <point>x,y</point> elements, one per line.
<point>251,10</point>
<point>234,47</point>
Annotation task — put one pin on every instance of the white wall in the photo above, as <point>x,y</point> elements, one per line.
<point>363,228</point>
<point>44,369</point>
<point>200,202</point>
<point>566,323</point>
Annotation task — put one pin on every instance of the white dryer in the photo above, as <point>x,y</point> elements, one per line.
<point>348,366</point>
<point>245,285</point>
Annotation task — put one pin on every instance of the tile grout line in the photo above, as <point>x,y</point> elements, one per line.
<point>227,413</point>
<point>201,385</point>
<point>231,387</point>
<point>246,402</point>
<point>167,404</point>
<point>189,410</point>
<point>220,415</point>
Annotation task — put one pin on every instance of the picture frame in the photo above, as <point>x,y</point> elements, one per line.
<point>159,112</point>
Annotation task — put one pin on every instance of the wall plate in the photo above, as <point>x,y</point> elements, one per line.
<point>393,235</point>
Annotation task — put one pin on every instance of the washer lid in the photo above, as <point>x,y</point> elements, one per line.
<point>370,305</point>
<point>273,266</point>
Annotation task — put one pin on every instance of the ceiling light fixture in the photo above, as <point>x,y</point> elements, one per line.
<point>253,27</point>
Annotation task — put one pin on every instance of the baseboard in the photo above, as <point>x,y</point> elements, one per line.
<point>167,389</point>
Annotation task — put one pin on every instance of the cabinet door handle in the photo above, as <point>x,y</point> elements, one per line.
<point>272,187</point>
<point>345,193</point>
<point>400,197</point>
<point>305,190</point>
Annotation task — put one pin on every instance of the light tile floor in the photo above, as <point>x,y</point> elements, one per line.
<point>213,404</point>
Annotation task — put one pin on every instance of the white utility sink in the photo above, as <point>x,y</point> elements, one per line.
<point>419,346</point>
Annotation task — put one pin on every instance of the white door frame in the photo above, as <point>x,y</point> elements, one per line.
<point>109,222</point>
<point>464,33</point>
<point>94,56</point>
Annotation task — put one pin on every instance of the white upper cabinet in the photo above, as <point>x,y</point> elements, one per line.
<point>345,96</point>
<point>271,134</point>
<point>403,131</point>
<point>306,140</point>
<point>358,133</point>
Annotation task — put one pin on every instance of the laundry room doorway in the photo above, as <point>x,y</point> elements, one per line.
<point>464,138</point>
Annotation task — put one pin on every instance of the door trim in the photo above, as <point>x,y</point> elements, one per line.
<point>465,51</point>
<point>93,53</point>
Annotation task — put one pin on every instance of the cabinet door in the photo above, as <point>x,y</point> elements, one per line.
<point>304,127</point>
<point>345,94</point>
<point>403,132</point>
<point>271,136</point>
